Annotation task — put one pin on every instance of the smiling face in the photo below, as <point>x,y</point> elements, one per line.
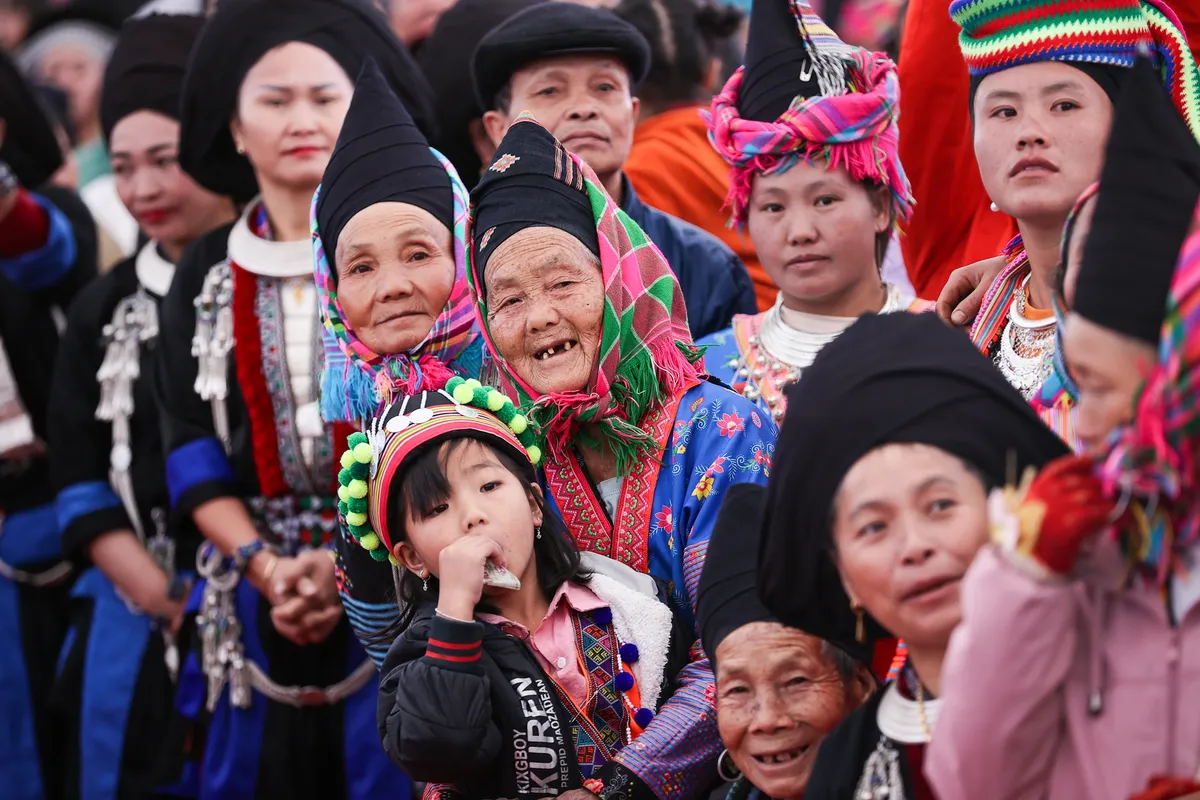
<point>290,110</point>
<point>814,230</point>
<point>476,493</point>
<point>168,205</point>
<point>395,270</point>
<point>1040,131</point>
<point>1108,369</point>
<point>908,520</point>
<point>545,308</point>
<point>586,101</point>
<point>778,696</point>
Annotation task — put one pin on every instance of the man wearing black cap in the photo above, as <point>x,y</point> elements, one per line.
<point>575,68</point>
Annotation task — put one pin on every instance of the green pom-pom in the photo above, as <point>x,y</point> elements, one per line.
<point>495,401</point>
<point>379,554</point>
<point>344,476</point>
<point>518,424</point>
<point>506,413</point>
<point>370,541</point>
<point>454,383</point>
<point>343,493</point>
<point>362,453</point>
<point>359,531</point>
<point>356,519</point>
<point>462,394</point>
<point>357,488</point>
<point>355,439</point>
<point>535,454</point>
<point>479,396</point>
<point>357,505</point>
<point>343,509</point>
<point>347,459</point>
<point>472,383</point>
<point>395,561</point>
<point>360,471</point>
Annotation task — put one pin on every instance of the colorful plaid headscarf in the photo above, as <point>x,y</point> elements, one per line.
<point>855,130</point>
<point>1156,454</point>
<point>646,351</point>
<point>1000,34</point>
<point>357,382</point>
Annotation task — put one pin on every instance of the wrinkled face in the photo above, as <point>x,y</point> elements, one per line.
<point>1040,131</point>
<point>1079,235</point>
<point>78,71</point>
<point>484,498</point>
<point>395,271</point>
<point>168,205</point>
<point>1108,369</point>
<point>908,521</point>
<point>545,308</point>
<point>290,110</point>
<point>778,696</point>
<point>586,101</point>
<point>814,230</point>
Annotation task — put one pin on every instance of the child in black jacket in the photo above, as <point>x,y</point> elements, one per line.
<point>521,668</point>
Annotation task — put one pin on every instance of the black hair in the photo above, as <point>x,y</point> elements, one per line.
<point>502,100</point>
<point>685,37</point>
<point>424,484</point>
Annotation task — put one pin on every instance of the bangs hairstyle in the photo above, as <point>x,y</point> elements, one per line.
<point>424,485</point>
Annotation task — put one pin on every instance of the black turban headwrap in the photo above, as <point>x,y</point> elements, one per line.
<point>1148,193</point>
<point>239,34</point>
<point>30,147</point>
<point>380,157</point>
<point>532,182</point>
<point>147,66</point>
<point>889,379</point>
<point>459,31</point>
<point>554,29</point>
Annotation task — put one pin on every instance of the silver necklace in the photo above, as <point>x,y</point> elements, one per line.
<point>1026,354</point>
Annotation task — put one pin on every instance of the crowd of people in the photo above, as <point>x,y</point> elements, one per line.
<point>512,399</point>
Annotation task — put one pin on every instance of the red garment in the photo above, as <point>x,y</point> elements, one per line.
<point>25,229</point>
<point>674,169</point>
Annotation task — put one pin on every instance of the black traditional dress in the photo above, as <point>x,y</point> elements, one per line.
<point>35,288</point>
<point>116,690</point>
<point>282,720</point>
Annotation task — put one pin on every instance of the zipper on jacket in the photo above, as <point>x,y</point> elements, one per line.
<point>1173,699</point>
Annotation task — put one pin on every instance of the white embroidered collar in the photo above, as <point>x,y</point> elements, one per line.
<point>153,271</point>
<point>900,718</point>
<point>264,257</point>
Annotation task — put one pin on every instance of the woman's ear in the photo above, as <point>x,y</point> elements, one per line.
<point>235,130</point>
<point>860,687</point>
<point>881,205</point>
<point>410,559</point>
<point>537,502</point>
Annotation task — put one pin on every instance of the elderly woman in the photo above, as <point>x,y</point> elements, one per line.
<point>780,691</point>
<point>586,325</point>
<point>1104,629</point>
<point>876,510</point>
<point>249,459</point>
<point>115,678</point>
<point>389,254</point>
<point>817,182</point>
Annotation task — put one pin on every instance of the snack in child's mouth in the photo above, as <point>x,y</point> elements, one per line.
<point>500,577</point>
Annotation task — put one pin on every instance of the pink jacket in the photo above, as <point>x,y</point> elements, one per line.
<point>1029,658</point>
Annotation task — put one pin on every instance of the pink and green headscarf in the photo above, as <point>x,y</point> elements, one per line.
<point>357,382</point>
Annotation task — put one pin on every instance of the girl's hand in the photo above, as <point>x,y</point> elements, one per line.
<point>460,574</point>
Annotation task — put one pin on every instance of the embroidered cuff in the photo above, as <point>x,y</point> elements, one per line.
<point>614,780</point>
<point>86,511</point>
<point>197,472</point>
<point>455,645</point>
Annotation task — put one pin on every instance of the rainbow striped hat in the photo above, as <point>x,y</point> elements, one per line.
<point>1000,34</point>
<point>464,409</point>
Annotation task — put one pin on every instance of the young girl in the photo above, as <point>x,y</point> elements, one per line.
<point>521,669</point>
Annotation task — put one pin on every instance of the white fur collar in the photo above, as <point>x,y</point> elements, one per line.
<point>264,257</point>
<point>638,617</point>
<point>153,271</point>
<point>899,718</point>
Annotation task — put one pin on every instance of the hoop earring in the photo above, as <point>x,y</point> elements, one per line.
<point>728,772</point>
<point>860,634</point>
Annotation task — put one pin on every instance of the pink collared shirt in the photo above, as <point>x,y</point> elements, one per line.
<point>553,643</point>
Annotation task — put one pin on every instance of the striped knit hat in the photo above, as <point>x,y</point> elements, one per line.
<point>1000,34</point>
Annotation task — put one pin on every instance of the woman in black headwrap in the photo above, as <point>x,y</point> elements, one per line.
<point>249,459</point>
<point>780,691</point>
<point>876,508</point>
<point>107,464</point>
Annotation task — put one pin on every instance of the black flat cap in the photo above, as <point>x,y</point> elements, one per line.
<point>554,29</point>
